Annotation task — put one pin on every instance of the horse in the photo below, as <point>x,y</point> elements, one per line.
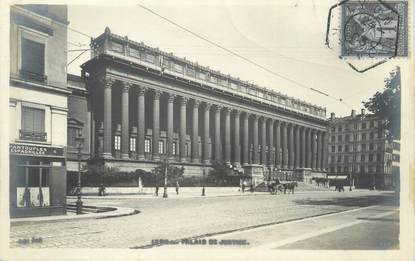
<point>289,186</point>
<point>274,186</point>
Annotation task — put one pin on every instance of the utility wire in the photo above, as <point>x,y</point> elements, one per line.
<point>240,56</point>
<point>77,57</point>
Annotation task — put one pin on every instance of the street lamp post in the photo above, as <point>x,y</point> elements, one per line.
<point>80,145</point>
<point>203,181</point>
<point>165,179</point>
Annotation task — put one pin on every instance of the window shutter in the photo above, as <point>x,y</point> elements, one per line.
<point>27,119</point>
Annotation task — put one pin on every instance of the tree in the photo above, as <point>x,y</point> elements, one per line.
<point>173,173</point>
<point>387,104</point>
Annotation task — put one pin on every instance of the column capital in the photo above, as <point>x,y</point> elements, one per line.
<point>108,82</point>
<point>277,123</point>
<point>141,90</point>
<point>236,112</point>
<point>207,106</point>
<point>196,103</point>
<point>183,100</point>
<point>126,86</point>
<point>171,97</point>
<point>157,94</point>
<point>255,117</point>
<point>226,110</point>
<point>218,107</point>
<point>271,120</point>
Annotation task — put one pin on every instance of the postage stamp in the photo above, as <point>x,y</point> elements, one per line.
<point>374,29</point>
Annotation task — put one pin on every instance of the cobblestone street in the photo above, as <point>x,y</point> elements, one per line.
<point>177,218</point>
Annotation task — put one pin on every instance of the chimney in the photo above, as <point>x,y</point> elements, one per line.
<point>332,116</point>
<point>363,112</point>
<point>353,113</point>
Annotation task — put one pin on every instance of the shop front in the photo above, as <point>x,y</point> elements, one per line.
<point>37,180</point>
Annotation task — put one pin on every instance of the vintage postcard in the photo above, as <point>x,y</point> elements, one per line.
<point>203,130</point>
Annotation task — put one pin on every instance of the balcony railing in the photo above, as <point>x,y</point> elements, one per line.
<point>32,135</point>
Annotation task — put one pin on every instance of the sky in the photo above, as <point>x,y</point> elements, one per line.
<point>287,37</point>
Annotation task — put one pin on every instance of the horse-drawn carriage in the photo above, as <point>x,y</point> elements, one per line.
<point>276,185</point>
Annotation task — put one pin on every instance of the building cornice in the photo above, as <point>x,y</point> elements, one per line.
<point>18,82</point>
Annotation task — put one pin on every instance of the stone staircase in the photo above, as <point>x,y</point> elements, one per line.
<point>302,186</point>
<point>71,207</point>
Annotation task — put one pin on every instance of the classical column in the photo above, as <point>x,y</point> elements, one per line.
<point>141,122</point>
<point>255,151</point>
<point>170,119</point>
<point>263,141</point>
<point>156,125</point>
<point>218,143</point>
<point>278,154</point>
<point>284,146</point>
<point>318,155</point>
<point>227,136</point>
<point>291,146</point>
<point>108,83</point>
<point>271,142</point>
<point>182,134</point>
<point>195,132</point>
<point>297,147</point>
<point>246,139</point>
<point>236,141</point>
<point>309,148</point>
<point>314,148</point>
<point>206,158</point>
<point>303,147</point>
<point>125,150</point>
<point>324,151</point>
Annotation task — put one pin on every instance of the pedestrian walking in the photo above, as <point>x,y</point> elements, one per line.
<point>177,187</point>
<point>157,189</point>
<point>243,186</point>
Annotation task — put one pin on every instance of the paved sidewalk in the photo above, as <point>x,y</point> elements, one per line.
<point>117,212</point>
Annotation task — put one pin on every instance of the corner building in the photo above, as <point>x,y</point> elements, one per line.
<point>360,149</point>
<point>148,105</point>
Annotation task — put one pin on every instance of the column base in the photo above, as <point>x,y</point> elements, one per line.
<point>106,155</point>
<point>141,157</point>
<point>196,160</point>
<point>156,158</point>
<point>125,156</point>
<point>183,160</point>
<point>206,161</point>
<point>237,164</point>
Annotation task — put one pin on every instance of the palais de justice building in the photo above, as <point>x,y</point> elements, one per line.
<point>147,105</point>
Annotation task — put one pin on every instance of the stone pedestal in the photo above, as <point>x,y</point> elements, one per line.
<point>254,171</point>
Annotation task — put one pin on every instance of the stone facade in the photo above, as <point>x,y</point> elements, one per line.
<point>148,105</point>
<point>358,147</point>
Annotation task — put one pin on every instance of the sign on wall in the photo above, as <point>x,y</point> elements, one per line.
<point>30,150</point>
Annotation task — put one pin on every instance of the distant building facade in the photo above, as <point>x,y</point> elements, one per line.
<point>358,148</point>
<point>38,109</point>
<point>147,105</point>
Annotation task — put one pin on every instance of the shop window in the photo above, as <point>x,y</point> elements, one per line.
<point>147,145</point>
<point>33,124</point>
<point>33,59</point>
<point>133,144</point>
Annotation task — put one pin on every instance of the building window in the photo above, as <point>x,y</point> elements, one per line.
<point>333,129</point>
<point>72,134</point>
<point>372,124</point>
<point>371,146</point>
<point>370,157</point>
<point>347,148</point>
<point>133,144</point>
<point>187,150</point>
<point>339,169</point>
<point>339,158</point>
<point>33,124</point>
<point>332,169</point>
<point>332,159</point>
<point>117,142</point>
<point>363,136</point>
<point>339,148</point>
<point>174,148</point>
<point>345,169</point>
<point>363,125</point>
<point>333,138</point>
<point>346,158</point>
<point>333,148</point>
<point>362,158</point>
<point>354,147</point>
<point>161,146</point>
<point>355,126</point>
<point>378,157</point>
<point>347,137</point>
<point>363,147</point>
<point>33,59</point>
<point>340,138</point>
<point>371,135</point>
<point>362,168</point>
<point>340,128</point>
<point>147,145</point>
<point>355,137</point>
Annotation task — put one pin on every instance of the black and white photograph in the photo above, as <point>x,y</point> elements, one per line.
<point>207,130</point>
